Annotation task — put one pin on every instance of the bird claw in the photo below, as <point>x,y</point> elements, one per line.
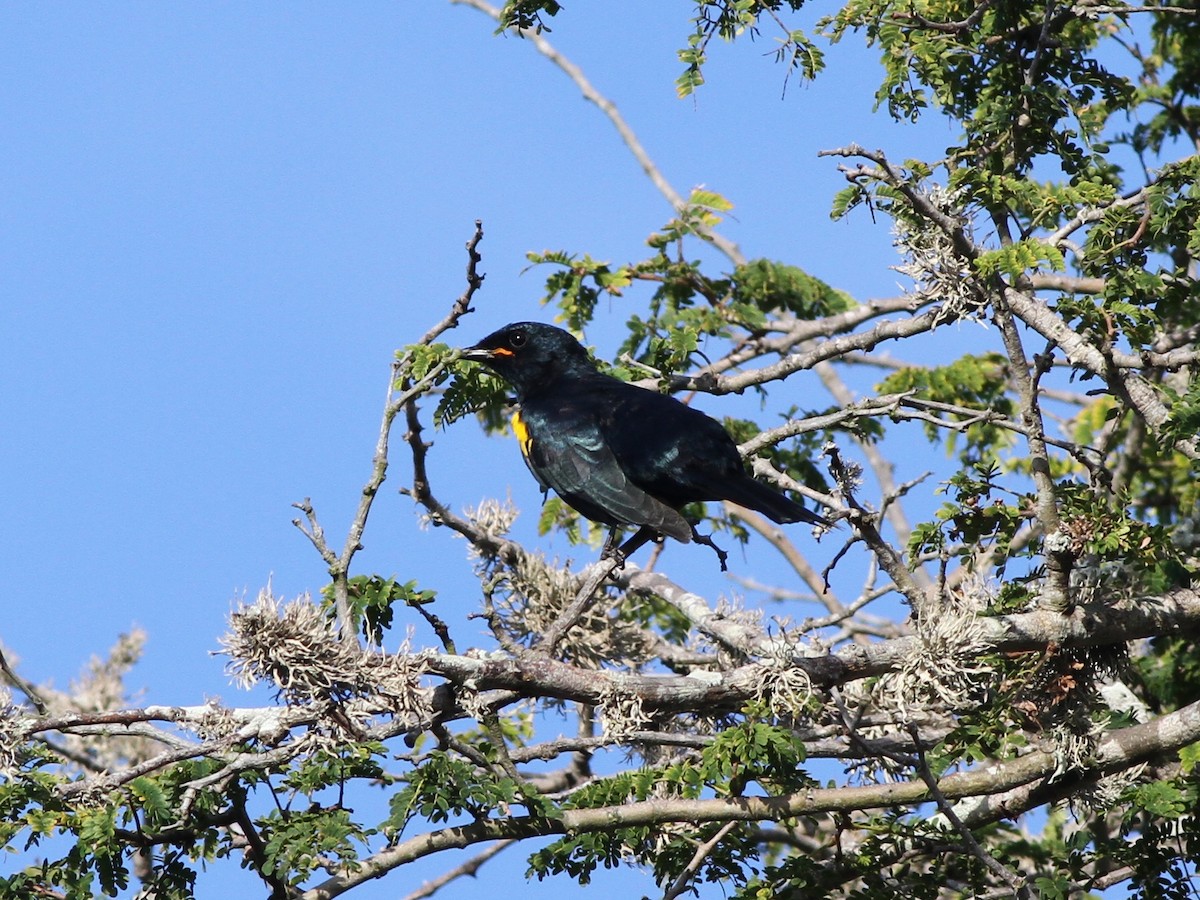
<point>644,534</point>
<point>707,540</point>
<point>627,549</point>
<point>620,553</point>
<point>615,554</point>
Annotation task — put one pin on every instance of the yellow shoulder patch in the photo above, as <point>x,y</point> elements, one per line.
<point>521,430</point>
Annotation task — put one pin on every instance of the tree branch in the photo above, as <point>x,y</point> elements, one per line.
<point>606,106</point>
<point>1118,749</point>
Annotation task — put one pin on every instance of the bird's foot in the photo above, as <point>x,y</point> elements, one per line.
<point>612,551</point>
<point>627,549</point>
<point>707,540</point>
<point>639,538</point>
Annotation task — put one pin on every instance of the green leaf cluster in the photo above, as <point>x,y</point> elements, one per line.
<point>1016,259</point>
<point>977,382</point>
<point>473,390</point>
<point>372,599</point>
<point>98,851</point>
<point>729,19</point>
<point>748,752</point>
<point>444,786</point>
<point>578,283</point>
<point>298,842</point>
<point>774,286</point>
<point>974,519</point>
<point>527,14</point>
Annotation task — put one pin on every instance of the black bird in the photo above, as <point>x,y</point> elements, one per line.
<point>616,453</point>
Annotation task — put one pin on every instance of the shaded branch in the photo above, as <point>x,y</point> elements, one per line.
<point>1118,749</point>
<point>1014,881</point>
<point>1056,591</point>
<point>1125,381</point>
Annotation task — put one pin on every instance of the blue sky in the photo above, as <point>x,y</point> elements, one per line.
<point>217,223</point>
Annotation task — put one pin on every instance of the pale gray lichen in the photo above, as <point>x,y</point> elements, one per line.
<point>945,666</point>
<point>13,737</point>
<point>782,686</point>
<point>620,711</point>
<point>530,597</point>
<point>493,517</point>
<point>295,648</point>
<point>938,271</point>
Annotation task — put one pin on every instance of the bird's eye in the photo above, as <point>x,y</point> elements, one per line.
<point>517,339</point>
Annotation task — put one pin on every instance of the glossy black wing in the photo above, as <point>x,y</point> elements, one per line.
<point>566,450</point>
<point>669,449</point>
<point>681,455</point>
<point>525,441</point>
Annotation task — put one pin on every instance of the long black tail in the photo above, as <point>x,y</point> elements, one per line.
<point>768,501</point>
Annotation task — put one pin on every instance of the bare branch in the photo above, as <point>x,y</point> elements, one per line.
<point>462,305</point>
<point>1015,882</point>
<point>583,599</point>
<point>628,136</point>
<point>470,868</point>
<point>738,636</point>
<point>25,687</point>
<point>680,884</point>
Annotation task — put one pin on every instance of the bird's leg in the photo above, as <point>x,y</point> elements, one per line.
<point>611,550</point>
<point>707,540</point>
<point>640,537</point>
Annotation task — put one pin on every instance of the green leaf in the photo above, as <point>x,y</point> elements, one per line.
<point>372,598</point>
<point>773,286</point>
<point>1019,258</point>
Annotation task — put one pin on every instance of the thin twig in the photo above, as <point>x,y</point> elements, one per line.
<point>630,138</point>
<point>439,514</point>
<point>680,884</point>
<point>339,564</point>
<point>25,687</point>
<point>462,305</point>
<point>470,867</point>
<point>583,599</point>
<point>866,526</point>
<point>1015,882</point>
<point>775,536</point>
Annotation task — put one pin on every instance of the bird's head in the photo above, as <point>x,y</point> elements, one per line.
<point>530,355</point>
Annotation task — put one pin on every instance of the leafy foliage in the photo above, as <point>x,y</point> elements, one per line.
<point>967,387</point>
<point>372,599</point>
<point>774,287</point>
